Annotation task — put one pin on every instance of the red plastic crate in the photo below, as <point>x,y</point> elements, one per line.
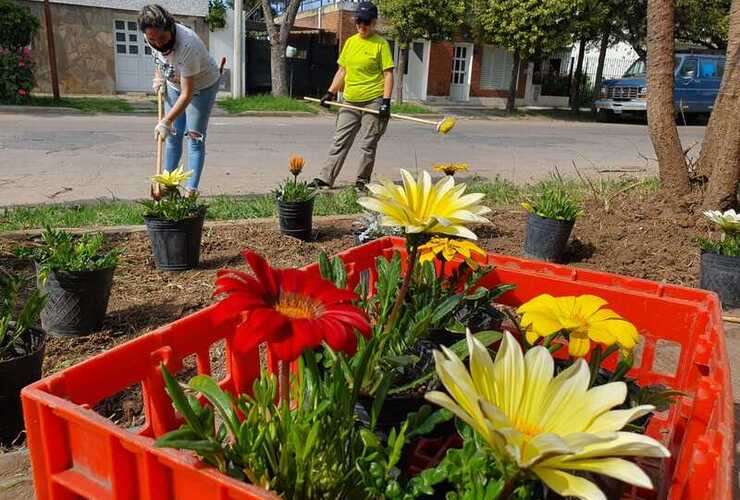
<point>76,453</point>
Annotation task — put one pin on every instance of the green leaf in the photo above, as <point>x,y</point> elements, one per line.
<point>220,399</point>
<point>186,439</point>
<point>325,267</point>
<point>180,401</point>
<point>478,294</point>
<point>425,420</point>
<point>445,308</point>
<point>379,400</point>
<point>340,274</point>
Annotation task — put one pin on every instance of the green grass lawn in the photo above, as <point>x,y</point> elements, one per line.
<point>344,201</point>
<point>265,102</point>
<point>84,104</point>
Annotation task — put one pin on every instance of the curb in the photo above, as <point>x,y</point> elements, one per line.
<point>267,114</point>
<point>129,229</point>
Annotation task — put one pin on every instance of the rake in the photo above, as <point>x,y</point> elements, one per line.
<point>441,127</point>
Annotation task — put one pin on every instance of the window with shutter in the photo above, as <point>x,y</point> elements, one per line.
<point>496,66</point>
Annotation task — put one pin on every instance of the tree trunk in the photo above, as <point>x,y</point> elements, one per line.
<point>279,42</point>
<point>674,174</point>
<point>511,99</point>
<point>278,69</point>
<point>603,47</point>
<point>720,152</point>
<point>403,55</point>
<point>575,83</point>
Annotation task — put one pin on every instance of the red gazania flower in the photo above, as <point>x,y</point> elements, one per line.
<point>291,310</point>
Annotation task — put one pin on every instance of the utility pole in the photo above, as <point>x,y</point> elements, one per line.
<point>237,68</point>
<point>52,50</point>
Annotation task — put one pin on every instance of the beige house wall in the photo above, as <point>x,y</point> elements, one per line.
<point>83,38</point>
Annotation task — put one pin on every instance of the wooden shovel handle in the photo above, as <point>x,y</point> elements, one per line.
<point>373,111</point>
<point>160,143</point>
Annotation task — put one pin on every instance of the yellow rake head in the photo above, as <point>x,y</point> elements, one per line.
<point>447,124</point>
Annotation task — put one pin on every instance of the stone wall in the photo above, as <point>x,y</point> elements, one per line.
<point>83,38</point>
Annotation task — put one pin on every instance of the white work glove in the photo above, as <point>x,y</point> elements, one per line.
<point>163,130</point>
<point>157,83</point>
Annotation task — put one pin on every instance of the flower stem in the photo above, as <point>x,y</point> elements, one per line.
<point>283,382</point>
<point>410,261</point>
<point>508,487</point>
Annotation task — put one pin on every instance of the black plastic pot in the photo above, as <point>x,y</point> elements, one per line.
<point>547,239</point>
<point>296,218</point>
<point>76,301</point>
<point>440,336</point>
<point>176,244</point>
<point>15,374</point>
<point>721,274</point>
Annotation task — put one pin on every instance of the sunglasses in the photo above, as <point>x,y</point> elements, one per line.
<point>363,22</point>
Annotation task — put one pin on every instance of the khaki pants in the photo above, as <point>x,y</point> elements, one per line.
<point>349,123</point>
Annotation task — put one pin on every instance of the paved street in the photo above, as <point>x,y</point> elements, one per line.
<point>64,158</point>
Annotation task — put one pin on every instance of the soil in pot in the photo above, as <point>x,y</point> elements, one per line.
<point>76,301</point>
<point>721,274</point>
<point>547,239</point>
<point>176,244</point>
<point>296,218</point>
<point>15,374</point>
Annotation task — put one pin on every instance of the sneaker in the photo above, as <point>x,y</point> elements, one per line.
<point>361,186</point>
<point>318,184</point>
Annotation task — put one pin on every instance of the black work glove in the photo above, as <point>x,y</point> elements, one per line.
<point>385,109</point>
<point>329,96</point>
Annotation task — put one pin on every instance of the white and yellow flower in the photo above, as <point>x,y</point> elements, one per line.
<point>548,425</point>
<point>582,319</point>
<point>418,206</point>
<point>728,221</point>
<point>172,179</point>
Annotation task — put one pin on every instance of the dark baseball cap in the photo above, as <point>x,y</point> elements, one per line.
<point>367,11</point>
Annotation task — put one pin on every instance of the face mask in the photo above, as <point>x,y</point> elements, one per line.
<point>167,47</point>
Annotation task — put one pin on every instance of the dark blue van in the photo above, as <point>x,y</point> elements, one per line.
<point>697,79</point>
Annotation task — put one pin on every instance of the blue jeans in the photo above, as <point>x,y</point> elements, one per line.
<point>193,123</point>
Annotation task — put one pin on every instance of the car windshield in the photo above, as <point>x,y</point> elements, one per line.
<point>639,68</point>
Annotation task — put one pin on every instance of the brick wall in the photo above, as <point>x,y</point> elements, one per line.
<point>340,22</point>
<point>440,73</point>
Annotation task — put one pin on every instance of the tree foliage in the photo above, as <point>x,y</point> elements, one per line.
<point>532,27</point>
<point>17,25</point>
<point>428,19</point>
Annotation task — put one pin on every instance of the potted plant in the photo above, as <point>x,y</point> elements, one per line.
<point>175,223</point>
<point>720,259</point>
<point>76,274</point>
<point>295,203</point>
<point>552,214</point>
<point>21,352</point>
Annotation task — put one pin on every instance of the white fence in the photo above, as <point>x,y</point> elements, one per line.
<point>614,67</point>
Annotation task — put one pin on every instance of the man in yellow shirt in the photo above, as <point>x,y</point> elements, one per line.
<point>365,76</point>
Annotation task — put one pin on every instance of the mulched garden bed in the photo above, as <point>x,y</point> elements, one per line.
<point>639,236</point>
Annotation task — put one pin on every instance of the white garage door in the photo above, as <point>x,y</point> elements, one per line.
<point>134,61</point>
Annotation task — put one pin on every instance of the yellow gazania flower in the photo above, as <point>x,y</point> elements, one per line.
<point>448,249</point>
<point>450,168</point>
<point>547,425</point>
<point>420,207</point>
<point>296,164</point>
<point>582,318</point>
<point>172,179</point>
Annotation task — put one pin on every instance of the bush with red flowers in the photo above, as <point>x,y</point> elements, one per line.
<point>16,75</point>
<point>17,27</point>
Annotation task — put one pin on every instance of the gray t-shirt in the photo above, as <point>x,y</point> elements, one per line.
<point>189,57</point>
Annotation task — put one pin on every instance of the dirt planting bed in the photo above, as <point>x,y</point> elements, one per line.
<point>638,236</point>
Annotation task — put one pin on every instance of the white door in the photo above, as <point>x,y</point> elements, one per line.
<point>416,72</point>
<point>462,64</point>
<point>134,60</point>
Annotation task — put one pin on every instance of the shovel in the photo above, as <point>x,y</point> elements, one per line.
<point>155,188</point>
<point>442,127</point>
